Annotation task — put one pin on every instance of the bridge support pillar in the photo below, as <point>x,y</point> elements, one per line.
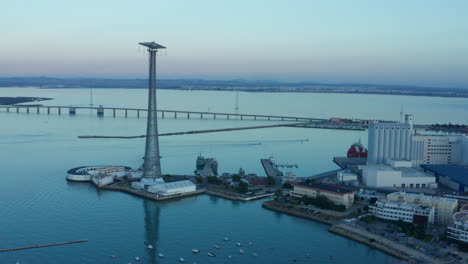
<point>282,118</point>
<point>27,110</point>
<point>17,109</point>
<point>227,117</point>
<point>113,112</point>
<point>268,118</point>
<point>188,115</point>
<point>126,112</point>
<point>242,117</point>
<point>48,110</point>
<point>255,117</point>
<point>201,116</point>
<point>59,110</point>
<point>8,109</point>
<point>175,115</point>
<point>72,111</point>
<point>214,116</point>
<point>162,114</point>
<point>37,109</point>
<point>138,113</point>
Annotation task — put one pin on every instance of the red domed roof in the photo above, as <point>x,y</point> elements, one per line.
<point>357,151</point>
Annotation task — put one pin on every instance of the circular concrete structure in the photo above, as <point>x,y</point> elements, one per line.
<point>85,173</point>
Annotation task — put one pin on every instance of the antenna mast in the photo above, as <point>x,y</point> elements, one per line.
<point>236,108</point>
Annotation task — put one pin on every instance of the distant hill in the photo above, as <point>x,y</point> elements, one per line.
<point>232,85</point>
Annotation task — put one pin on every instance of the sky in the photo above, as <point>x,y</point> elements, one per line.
<point>417,42</point>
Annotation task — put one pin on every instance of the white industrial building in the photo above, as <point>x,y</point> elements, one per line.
<point>407,212</point>
<point>398,141</point>
<point>390,141</point>
<point>459,230</point>
<point>444,207</point>
<point>172,188</point>
<point>415,208</point>
<point>396,173</point>
<point>439,149</point>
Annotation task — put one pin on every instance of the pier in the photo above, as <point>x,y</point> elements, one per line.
<point>162,113</point>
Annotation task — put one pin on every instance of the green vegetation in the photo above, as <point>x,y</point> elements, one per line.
<point>199,179</point>
<point>416,231</point>
<point>270,180</point>
<point>369,219</point>
<point>213,180</point>
<point>236,178</point>
<point>287,185</point>
<point>372,200</point>
<point>243,187</point>
<point>323,202</point>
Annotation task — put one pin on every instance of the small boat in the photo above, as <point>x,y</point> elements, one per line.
<point>150,246</point>
<point>137,259</point>
<point>241,251</point>
<point>161,255</point>
<point>229,256</point>
<point>226,239</point>
<point>195,251</point>
<point>250,244</point>
<point>254,254</point>
<point>238,244</point>
<point>211,254</point>
<point>181,259</point>
<point>113,256</point>
<point>217,247</point>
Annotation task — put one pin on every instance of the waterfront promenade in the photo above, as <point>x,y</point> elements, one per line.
<point>339,227</point>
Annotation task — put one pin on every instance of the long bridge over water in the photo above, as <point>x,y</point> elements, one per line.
<point>309,122</point>
<point>72,110</point>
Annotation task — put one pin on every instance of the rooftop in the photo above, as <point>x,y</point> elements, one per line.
<point>323,187</point>
<point>452,172</point>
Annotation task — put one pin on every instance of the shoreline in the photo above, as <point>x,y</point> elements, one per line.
<point>147,195</point>
<point>383,244</point>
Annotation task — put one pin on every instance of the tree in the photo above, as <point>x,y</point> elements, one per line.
<point>270,180</point>
<point>287,185</point>
<point>212,180</point>
<point>236,178</point>
<point>243,187</point>
<point>199,179</point>
<point>372,200</point>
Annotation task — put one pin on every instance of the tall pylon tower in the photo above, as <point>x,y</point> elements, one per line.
<point>152,163</point>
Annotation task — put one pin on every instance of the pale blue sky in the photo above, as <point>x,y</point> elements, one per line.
<point>417,42</point>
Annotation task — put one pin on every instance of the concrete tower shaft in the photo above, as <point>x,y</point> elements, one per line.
<point>152,163</point>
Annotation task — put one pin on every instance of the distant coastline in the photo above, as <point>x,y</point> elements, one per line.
<point>233,85</point>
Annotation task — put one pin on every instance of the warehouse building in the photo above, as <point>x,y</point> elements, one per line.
<point>451,176</point>
<point>339,196</point>
<point>172,188</point>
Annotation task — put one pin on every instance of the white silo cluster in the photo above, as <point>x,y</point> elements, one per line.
<point>390,141</point>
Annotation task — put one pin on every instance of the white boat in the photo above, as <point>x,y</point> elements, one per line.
<point>181,259</point>
<point>229,256</point>
<point>161,255</point>
<point>195,251</point>
<point>211,254</point>
<point>217,247</point>
<point>113,256</point>
<point>226,239</point>
<point>250,243</point>
<point>137,259</point>
<point>254,254</point>
<point>150,246</point>
<point>241,251</point>
<point>238,244</point>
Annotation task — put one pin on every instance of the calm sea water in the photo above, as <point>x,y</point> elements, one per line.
<point>39,206</point>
